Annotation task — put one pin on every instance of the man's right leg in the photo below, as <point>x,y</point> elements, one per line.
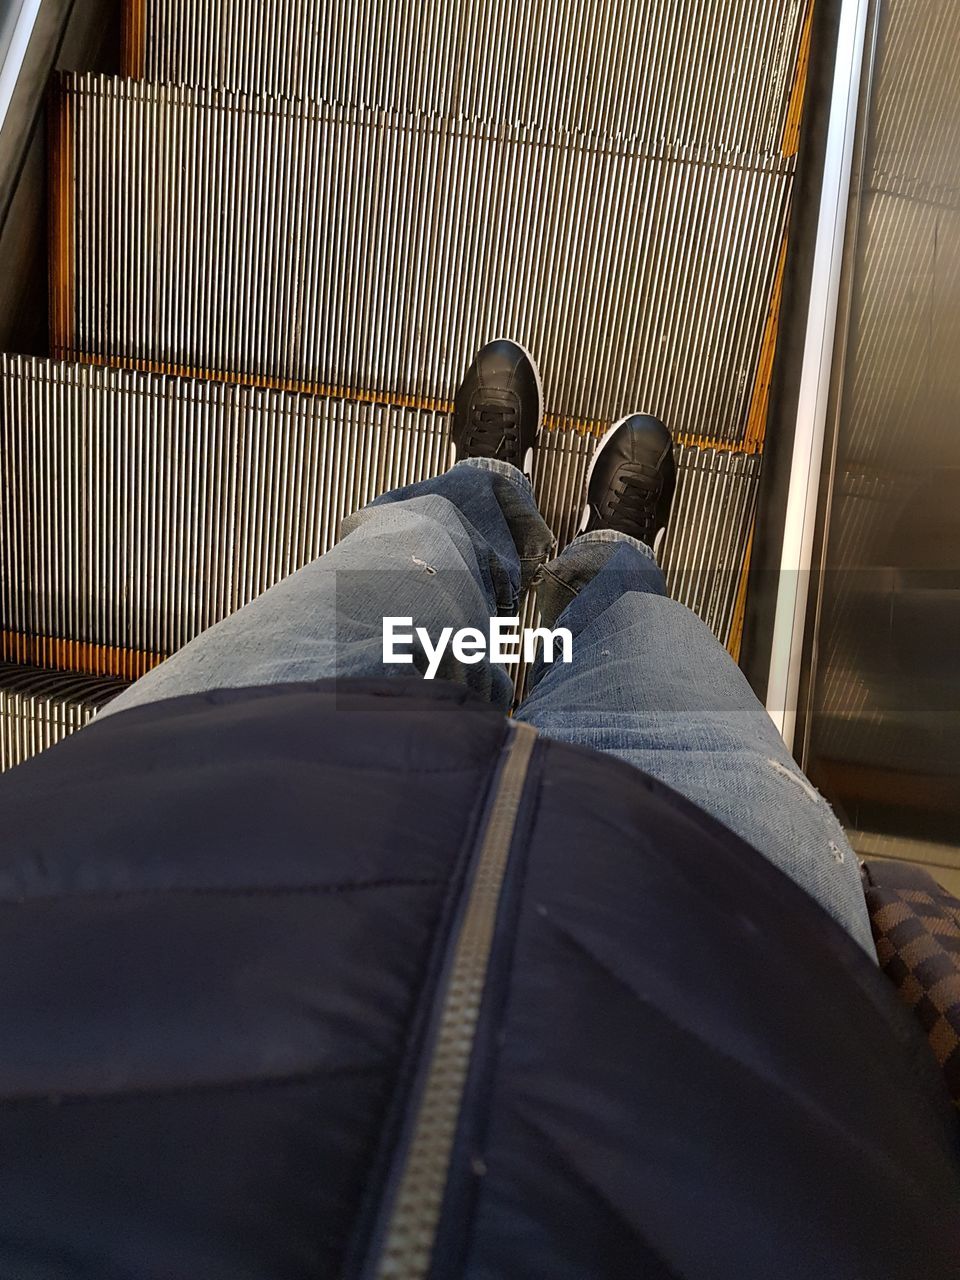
<point>650,683</point>
<point>445,554</point>
<point>448,553</point>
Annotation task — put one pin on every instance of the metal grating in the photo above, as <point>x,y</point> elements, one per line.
<point>39,708</point>
<point>718,74</point>
<point>144,508</point>
<point>369,253</point>
<point>710,526</point>
<point>320,217</point>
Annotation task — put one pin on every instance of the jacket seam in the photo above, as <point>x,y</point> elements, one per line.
<point>231,891</point>
<point>57,1097</point>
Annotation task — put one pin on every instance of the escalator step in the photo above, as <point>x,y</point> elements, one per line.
<point>38,708</point>
<point>359,252</point>
<point>641,69</point>
<point>144,508</point>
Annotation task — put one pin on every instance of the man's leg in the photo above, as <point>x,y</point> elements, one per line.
<point>449,552</point>
<point>650,684</point>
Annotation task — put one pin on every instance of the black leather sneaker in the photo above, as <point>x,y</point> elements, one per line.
<point>498,407</point>
<point>631,480</point>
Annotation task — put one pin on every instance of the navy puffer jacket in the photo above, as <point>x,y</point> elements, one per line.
<point>364,981</point>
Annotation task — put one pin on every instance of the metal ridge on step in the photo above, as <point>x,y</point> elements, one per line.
<point>39,708</point>
<point>348,248</point>
<point>587,66</point>
<point>753,443</point>
<point>143,509</point>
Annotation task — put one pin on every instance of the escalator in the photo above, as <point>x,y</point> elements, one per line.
<point>278,236</point>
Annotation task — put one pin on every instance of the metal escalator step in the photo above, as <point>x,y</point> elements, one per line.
<point>143,508</point>
<point>357,251</point>
<point>718,75</point>
<point>710,525</point>
<point>38,708</point>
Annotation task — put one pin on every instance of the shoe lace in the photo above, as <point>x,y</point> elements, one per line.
<point>492,425</point>
<point>636,505</point>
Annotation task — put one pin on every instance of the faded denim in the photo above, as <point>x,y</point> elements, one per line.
<point>648,682</point>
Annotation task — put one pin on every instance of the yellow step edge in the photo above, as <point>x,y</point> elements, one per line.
<point>756,434</point>
<point>757,418</point>
<point>756,428</point>
<point>366,395</point>
<point>735,642</point>
<point>791,132</point>
<point>55,653</point>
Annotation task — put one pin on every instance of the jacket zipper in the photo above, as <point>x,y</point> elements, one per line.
<point>415,1214</point>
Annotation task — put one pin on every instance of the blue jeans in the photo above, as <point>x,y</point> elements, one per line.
<point>648,682</point>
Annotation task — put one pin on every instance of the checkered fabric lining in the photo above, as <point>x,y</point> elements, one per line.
<point>916,928</point>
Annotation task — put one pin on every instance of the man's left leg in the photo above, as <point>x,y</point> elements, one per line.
<point>448,553</point>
